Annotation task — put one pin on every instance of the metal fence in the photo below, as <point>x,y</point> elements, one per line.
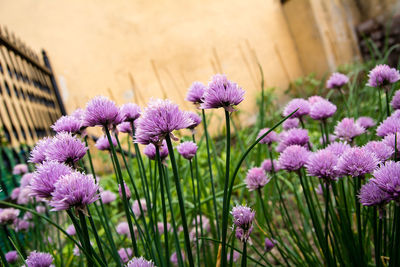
<point>29,103</point>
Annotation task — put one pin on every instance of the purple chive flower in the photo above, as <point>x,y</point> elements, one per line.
<point>123,229</point>
<point>46,176</point>
<point>337,81</point>
<point>256,179</point>
<point>295,136</point>
<point>125,127</point>
<point>101,111</point>
<point>356,162</point>
<point>160,227</point>
<point>382,75</point>
<point>127,191</point>
<point>322,164</point>
<point>65,148</point>
<point>12,256</point>
<point>74,190</point>
<point>196,92</point>
<point>222,93</point>
<point>314,99</point>
<point>150,151</point>
<point>136,208</point>
<point>347,129</point>
<point>15,193</point>
<point>338,148</point>
<point>21,225</point>
<point>103,144</point>
<point>130,112</point>
<point>107,197</point>
<point>290,123</point>
<point>38,153</point>
<point>269,244</point>
<point>174,257</point>
<point>390,125</point>
<point>39,259</point>
<point>187,149</point>
<point>68,124</point>
<point>396,100</point>
<point>236,256</point>
<point>269,138</point>
<point>27,216</point>
<point>390,140</point>
<point>387,178</point>
<point>322,110</point>
<point>125,254</point>
<point>40,209</point>
<point>71,230</point>
<point>20,169</point>
<point>159,119</point>
<point>24,196</point>
<point>195,118</point>
<point>371,195</point>
<point>293,158</point>
<point>8,215</point>
<point>26,179</point>
<point>266,165</point>
<point>243,217</point>
<point>382,151</point>
<point>365,122</point>
<point>302,105</point>
<point>140,262</point>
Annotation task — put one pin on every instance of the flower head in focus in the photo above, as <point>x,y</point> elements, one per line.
<point>382,75</point>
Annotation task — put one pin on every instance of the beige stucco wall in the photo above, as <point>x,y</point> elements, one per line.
<point>95,45</point>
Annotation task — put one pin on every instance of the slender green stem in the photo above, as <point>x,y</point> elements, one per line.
<point>225,198</point>
<point>357,187</point>
<point>244,255</point>
<point>325,125</point>
<point>195,213</point>
<point>96,236</point>
<point>86,238</point>
<point>211,174</point>
<point>387,102</point>
<point>327,198</point>
<point>180,200</point>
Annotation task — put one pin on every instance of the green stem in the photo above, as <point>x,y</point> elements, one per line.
<point>86,238</point>
<point>387,102</point>
<point>195,213</point>
<point>357,187</point>
<point>244,255</point>
<point>96,236</point>
<point>225,198</point>
<point>211,173</point>
<point>180,200</point>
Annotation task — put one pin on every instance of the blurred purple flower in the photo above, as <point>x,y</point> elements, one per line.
<point>187,149</point>
<point>314,99</point>
<point>26,179</point>
<point>21,225</point>
<point>302,105</point>
<point>125,127</point>
<point>46,176</point>
<point>125,254</point>
<point>20,169</point>
<point>24,196</point>
<point>65,148</point>
<point>290,123</point>
<point>293,158</point>
<point>8,215</point>
<point>38,153</point>
<point>159,119</point>
<point>174,257</point>
<point>347,129</point>
<point>68,124</point>
<point>39,259</point>
<point>127,191</point>
<point>222,93</point>
<point>107,197</point>
<point>322,164</point>
<point>196,92</point>
<point>236,256</point>
<point>243,217</point>
<point>322,110</point>
<point>267,166</point>
<point>136,208</point>
<point>338,148</point>
<point>103,144</point>
<point>195,118</point>
<point>396,100</point>
<point>269,138</point>
<point>74,190</point>
<point>382,75</point>
<point>100,111</point>
<point>336,81</point>
<point>365,122</point>
<point>71,230</point>
<point>356,162</point>
<point>160,227</point>
<point>382,151</point>
<point>269,244</point>
<point>150,151</point>
<point>12,256</point>
<point>256,178</point>
<point>123,229</point>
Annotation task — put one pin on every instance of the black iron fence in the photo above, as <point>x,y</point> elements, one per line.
<point>29,103</point>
